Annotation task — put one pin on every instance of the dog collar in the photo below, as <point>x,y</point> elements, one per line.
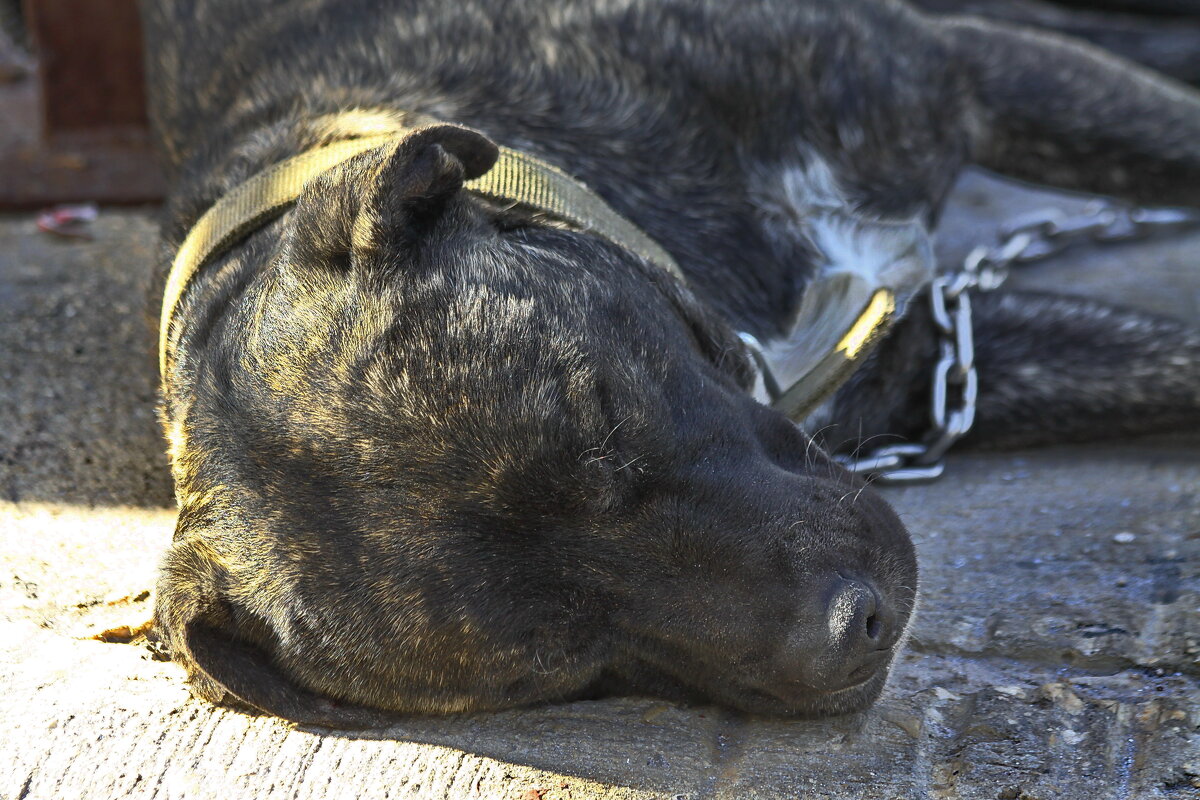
<point>519,178</point>
<point>515,177</point>
<point>829,358</point>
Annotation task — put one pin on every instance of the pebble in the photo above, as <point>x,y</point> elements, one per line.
<point>1062,696</point>
<point>1124,537</point>
<point>907,723</point>
<point>1073,737</point>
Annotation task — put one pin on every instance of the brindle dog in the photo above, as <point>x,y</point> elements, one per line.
<point>434,454</point>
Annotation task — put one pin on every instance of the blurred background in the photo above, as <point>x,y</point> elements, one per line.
<point>72,107</point>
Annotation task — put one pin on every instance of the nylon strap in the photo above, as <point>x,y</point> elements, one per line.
<point>819,383</point>
<point>515,177</point>
<point>531,182</point>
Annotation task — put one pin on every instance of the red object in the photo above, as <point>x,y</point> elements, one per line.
<point>70,222</point>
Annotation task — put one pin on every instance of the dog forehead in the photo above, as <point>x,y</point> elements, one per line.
<point>481,309</point>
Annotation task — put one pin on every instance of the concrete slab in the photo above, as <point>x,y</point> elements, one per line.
<point>1056,653</point>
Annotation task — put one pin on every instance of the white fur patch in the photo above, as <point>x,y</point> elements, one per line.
<point>857,254</point>
<point>895,254</point>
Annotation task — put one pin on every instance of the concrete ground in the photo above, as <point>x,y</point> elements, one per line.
<point>1056,654</point>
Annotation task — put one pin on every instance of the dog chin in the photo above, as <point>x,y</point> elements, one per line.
<point>805,702</point>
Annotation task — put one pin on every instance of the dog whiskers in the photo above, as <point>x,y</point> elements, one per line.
<point>629,463</point>
<point>599,449</point>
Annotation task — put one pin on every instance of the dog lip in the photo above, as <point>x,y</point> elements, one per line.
<point>793,692</point>
<point>830,692</point>
<point>807,700</point>
<point>865,671</point>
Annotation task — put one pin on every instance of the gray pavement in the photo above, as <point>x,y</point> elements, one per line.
<point>1056,653</point>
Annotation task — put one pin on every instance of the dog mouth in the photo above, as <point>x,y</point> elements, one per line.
<point>863,673</point>
<point>857,690</point>
<point>787,699</point>
<point>863,687</point>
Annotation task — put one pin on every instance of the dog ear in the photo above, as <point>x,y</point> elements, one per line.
<point>245,673</point>
<point>200,629</point>
<point>1054,110</point>
<point>385,198</point>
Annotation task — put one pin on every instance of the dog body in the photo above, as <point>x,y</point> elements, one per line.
<point>436,454</point>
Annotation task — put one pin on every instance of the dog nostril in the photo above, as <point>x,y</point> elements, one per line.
<point>872,624</point>
<point>874,627</point>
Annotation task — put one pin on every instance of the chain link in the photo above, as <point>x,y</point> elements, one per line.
<point>1024,239</point>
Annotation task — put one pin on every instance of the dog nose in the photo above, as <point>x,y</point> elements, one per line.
<point>857,618</point>
<point>846,636</point>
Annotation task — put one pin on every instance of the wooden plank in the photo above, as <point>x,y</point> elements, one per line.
<point>90,63</point>
<point>78,129</point>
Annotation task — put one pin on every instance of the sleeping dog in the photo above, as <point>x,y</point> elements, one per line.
<point>444,448</point>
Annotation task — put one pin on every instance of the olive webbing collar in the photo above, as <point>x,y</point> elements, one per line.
<point>827,361</point>
<point>515,177</point>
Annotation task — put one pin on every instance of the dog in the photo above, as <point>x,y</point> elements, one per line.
<point>436,452</point>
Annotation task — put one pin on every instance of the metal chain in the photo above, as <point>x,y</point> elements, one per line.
<point>1025,239</point>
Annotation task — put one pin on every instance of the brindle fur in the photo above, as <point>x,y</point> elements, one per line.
<point>433,455</point>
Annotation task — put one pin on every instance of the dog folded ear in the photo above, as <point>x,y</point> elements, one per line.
<point>199,626</point>
<point>432,162</point>
<point>1056,111</point>
<point>246,675</point>
<point>385,198</point>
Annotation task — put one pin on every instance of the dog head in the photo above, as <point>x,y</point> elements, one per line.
<point>447,456</point>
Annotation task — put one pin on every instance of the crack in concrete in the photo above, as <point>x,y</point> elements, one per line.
<point>1105,665</point>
